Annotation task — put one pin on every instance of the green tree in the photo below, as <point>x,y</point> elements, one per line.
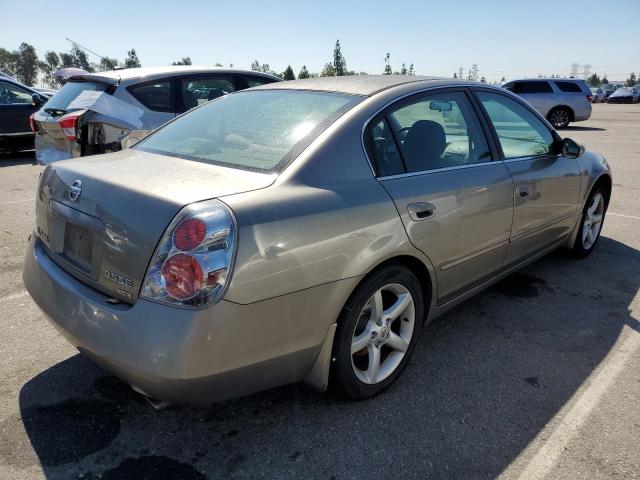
<point>184,61</point>
<point>387,65</point>
<point>107,63</point>
<point>288,73</point>
<point>339,63</point>
<point>502,80</point>
<point>255,66</point>
<point>411,70</point>
<point>328,70</point>
<point>455,75</point>
<point>631,81</point>
<point>66,60</point>
<point>26,64</point>
<point>49,66</point>
<point>403,70</point>
<point>605,79</point>
<point>304,73</point>
<point>80,59</point>
<point>132,60</point>
<point>7,61</point>
<point>594,80</point>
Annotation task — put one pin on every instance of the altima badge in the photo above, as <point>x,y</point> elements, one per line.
<point>75,190</point>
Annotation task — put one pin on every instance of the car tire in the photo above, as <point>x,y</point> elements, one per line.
<point>559,117</point>
<point>591,223</point>
<point>377,332</point>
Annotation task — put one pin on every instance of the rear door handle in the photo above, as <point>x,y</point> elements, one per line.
<point>522,191</point>
<point>419,211</point>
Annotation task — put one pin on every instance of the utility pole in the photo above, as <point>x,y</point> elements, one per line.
<point>574,69</point>
<point>460,73</point>
<point>586,70</point>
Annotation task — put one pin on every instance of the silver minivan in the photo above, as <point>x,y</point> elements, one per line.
<point>102,112</point>
<point>561,101</point>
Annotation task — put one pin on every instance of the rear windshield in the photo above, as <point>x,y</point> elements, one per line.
<point>253,130</point>
<point>69,92</point>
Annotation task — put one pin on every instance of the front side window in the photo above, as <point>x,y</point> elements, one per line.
<point>435,131</point>
<point>532,87</point>
<point>155,96</point>
<point>260,130</point>
<point>196,91</point>
<point>11,95</point>
<point>521,132</point>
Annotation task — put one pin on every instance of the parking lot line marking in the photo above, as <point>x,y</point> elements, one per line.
<point>622,215</point>
<point>13,296</point>
<point>549,453</point>
<point>15,202</point>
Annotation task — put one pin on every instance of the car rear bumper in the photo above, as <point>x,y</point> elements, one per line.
<point>620,100</point>
<point>49,150</point>
<point>185,356</point>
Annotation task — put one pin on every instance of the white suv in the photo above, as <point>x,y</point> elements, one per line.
<point>560,100</point>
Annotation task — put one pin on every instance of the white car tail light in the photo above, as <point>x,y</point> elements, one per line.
<point>69,124</point>
<point>192,264</point>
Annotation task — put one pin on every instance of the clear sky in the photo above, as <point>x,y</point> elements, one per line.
<point>512,38</point>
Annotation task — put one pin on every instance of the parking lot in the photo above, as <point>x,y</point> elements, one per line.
<point>539,377</point>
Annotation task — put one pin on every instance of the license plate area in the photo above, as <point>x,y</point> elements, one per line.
<point>78,246</point>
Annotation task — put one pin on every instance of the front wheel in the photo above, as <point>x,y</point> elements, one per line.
<point>590,224</point>
<point>559,117</point>
<point>377,332</point>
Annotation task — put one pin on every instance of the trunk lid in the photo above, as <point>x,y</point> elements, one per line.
<point>100,219</point>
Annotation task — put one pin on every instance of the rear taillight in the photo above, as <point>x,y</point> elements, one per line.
<point>192,264</point>
<point>69,125</point>
<point>32,123</point>
<point>590,98</point>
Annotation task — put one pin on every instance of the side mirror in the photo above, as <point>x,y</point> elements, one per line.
<point>37,99</point>
<point>571,149</point>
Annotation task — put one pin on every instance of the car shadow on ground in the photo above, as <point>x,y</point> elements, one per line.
<point>582,129</point>
<point>17,158</point>
<point>484,381</point>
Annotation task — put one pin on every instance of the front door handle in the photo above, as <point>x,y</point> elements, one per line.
<point>421,211</point>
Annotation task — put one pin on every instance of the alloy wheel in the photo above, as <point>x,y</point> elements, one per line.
<point>383,333</point>
<point>592,221</point>
<point>559,118</point>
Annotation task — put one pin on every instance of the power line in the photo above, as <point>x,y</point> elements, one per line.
<point>84,48</point>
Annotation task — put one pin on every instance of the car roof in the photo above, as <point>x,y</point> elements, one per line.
<point>366,85</point>
<point>537,79</point>
<point>126,74</point>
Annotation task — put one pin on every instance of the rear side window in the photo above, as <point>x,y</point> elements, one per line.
<point>384,149</point>
<point>569,87</point>
<point>257,81</point>
<point>197,91</point>
<point>521,133</point>
<point>155,96</point>
<point>70,91</point>
<point>531,87</point>
<point>433,131</point>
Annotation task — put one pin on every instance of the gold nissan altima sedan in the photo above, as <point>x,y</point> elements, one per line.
<point>302,231</point>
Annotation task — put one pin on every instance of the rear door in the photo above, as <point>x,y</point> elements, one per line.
<point>453,194</point>
<point>547,185</point>
<point>196,90</point>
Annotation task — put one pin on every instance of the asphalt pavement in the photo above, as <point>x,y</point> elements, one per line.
<point>538,377</point>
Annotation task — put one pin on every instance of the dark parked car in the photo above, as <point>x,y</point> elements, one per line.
<point>625,95</point>
<point>17,103</point>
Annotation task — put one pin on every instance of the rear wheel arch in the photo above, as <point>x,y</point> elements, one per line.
<point>572,114</point>
<point>413,264</point>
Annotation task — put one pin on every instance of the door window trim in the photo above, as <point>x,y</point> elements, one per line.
<point>408,98</point>
<point>494,134</point>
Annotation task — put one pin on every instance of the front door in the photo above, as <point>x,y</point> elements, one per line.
<point>454,196</point>
<point>16,105</point>
<point>546,184</point>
